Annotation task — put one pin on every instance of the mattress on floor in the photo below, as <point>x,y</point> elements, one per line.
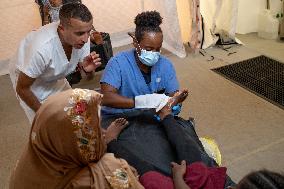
<point>146,138</point>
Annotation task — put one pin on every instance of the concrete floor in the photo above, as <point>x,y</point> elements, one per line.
<point>248,129</point>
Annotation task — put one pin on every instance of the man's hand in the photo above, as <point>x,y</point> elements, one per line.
<point>91,62</point>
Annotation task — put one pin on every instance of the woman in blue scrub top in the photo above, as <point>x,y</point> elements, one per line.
<point>134,73</point>
<point>139,71</point>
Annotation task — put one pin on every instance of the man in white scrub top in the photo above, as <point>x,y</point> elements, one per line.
<point>47,55</point>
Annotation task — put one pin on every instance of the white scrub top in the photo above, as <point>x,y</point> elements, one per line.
<point>41,56</point>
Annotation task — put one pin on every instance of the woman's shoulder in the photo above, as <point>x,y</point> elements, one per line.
<point>164,61</point>
<point>124,54</point>
<point>123,57</point>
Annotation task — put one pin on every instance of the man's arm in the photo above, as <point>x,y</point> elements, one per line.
<point>113,99</point>
<point>23,89</point>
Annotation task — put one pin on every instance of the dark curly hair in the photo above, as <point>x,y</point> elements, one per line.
<point>74,10</point>
<point>262,179</point>
<point>148,21</point>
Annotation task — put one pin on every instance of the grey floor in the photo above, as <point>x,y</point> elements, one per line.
<point>248,129</point>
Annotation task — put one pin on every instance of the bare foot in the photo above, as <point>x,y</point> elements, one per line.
<point>113,131</point>
<point>179,97</point>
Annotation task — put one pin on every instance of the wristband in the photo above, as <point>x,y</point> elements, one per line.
<point>175,111</point>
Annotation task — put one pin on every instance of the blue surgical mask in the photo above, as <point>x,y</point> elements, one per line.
<point>149,58</point>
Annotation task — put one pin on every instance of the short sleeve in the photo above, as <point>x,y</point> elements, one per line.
<point>112,73</point>
<point>172,84</point>
<point>35,65</point>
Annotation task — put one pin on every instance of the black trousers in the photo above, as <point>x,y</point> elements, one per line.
<point>182,138</point>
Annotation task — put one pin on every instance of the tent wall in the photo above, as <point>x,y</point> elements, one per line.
<point>17,18</point>
<point>249,11</point>
<point>184,16</point>
<point>227,17</point>
<point>117,18</point>
<point>248,15</point>
<point>218,15</point>
<point>171,28</point>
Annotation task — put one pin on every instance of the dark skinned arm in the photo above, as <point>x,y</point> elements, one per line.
<point>24,84</point>
<point>172,94</point>
<point>113,99</point>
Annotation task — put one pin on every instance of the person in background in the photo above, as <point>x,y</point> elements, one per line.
<point>66,147</point>
<point>50,9</point>
<point>46,56</point>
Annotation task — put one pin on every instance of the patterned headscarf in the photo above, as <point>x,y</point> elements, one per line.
<point>65,137</point>
<point>83,111</point>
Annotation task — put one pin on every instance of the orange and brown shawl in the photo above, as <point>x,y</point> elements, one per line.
<point>66,148</point>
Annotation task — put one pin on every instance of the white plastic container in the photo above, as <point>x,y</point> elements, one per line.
<point>267,25</point>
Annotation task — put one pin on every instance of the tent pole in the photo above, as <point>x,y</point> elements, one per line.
<point>268,4</point>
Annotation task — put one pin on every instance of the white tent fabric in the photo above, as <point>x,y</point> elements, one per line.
<point>249,11</point>
<point>172,33</point>
<point>218,15</point>
<point>116,17</point>
<point>17,18</point>
<point>195,41</point>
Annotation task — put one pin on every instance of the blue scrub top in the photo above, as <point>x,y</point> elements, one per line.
<point>123,73</point>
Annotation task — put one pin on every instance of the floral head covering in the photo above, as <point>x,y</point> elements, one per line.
<point>83,112</point>
<point>65,137</point>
